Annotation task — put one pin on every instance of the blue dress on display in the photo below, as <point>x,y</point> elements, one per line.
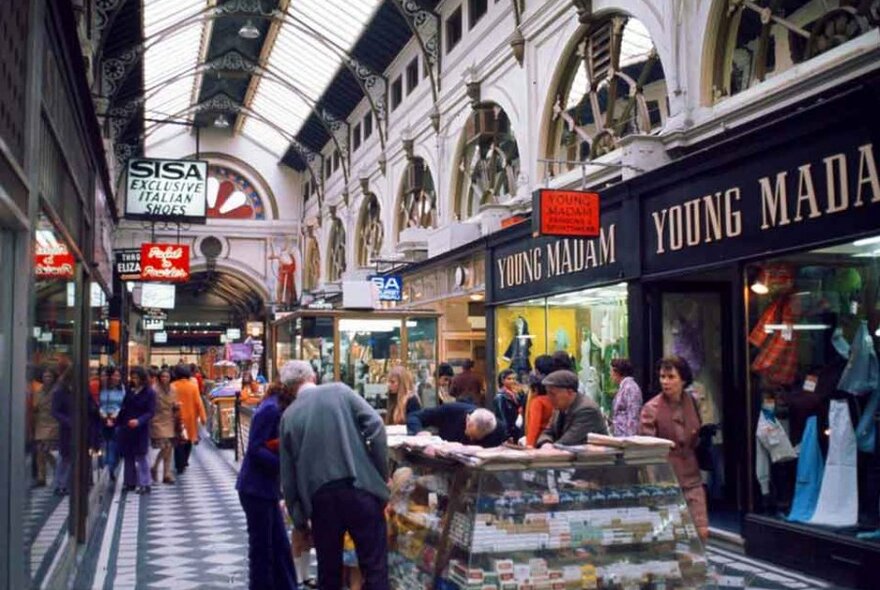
<point>810,468</point>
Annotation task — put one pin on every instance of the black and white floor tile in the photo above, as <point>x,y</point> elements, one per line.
<point>44,526</point>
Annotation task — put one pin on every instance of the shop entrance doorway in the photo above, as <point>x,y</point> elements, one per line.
<point>690,318</point>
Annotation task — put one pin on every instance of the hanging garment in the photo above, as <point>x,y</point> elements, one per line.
<point>778,359</point>
<point>687,342</point>
<point>866,432</point>
<point>809,475</point>
<point>773,447</point>
<point>561,341</point>
<point>861,374</point>
<point>838,503</point>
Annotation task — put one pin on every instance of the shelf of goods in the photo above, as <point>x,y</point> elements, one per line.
<point>587,517</point>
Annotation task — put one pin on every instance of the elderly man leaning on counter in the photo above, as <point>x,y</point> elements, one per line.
<point>459,422</point>
<point>575,415</point>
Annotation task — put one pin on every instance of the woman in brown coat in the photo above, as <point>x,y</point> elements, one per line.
<point>673,415</point>
<point>46,427</point>
<point>162,427</point>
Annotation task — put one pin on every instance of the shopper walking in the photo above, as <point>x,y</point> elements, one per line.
<point>402,393</point>
<point>334,465</point>
<point>133,423</point>
<point>109,401</point>
<point>259,490</point>
<point>673,415</point>
<point>62,411</point>
<point>192,412</point>
<point>510,404</point>
<point>45,426</point>
<point>627,406</point>
<point>162,427</point>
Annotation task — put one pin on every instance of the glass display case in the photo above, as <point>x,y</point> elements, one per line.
<point>506,526</point>
<point>360,348</point>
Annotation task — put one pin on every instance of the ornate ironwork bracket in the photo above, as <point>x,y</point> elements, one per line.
<point>375,88</point>
<point>584,10</point>
<point>425,25</point>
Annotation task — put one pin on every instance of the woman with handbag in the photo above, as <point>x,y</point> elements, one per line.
<point>673,415</point>
<point>162,428</point>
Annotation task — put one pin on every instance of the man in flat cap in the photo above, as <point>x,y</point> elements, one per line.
<point>575,415</point>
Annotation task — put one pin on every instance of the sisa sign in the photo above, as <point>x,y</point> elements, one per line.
<point>166,190</point>
<point>389,288</point>
<point>164,262</point>
<point>54,262</point>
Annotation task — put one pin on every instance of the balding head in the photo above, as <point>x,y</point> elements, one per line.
<point>480,424</point>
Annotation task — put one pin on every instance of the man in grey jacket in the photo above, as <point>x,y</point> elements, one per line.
<point>575,415</point>
<point>334,465</point>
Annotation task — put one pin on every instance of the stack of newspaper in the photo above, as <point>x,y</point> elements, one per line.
<point>636,449</point>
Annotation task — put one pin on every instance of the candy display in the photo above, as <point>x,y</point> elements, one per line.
<point>522,525</point>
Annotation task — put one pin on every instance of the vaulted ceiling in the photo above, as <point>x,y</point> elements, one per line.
<point>286,73</point>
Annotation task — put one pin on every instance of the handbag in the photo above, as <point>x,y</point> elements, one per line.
<point>703,451</point>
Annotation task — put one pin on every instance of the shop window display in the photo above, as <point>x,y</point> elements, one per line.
<point>813,321</point>
<point>422,358</point>
<point>368,349</point>
<point>590,326</point>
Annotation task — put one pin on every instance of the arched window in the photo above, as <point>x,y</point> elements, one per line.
<point>232,196</point>
<point>489,163</point>
<point>371,231</point>
<point>418,199</point>
<point>612,85</point>
<point>763,38</point>
<point>312,267</point>
<point>336,251</point>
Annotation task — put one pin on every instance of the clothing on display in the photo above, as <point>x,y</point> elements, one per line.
<point>861,373</point>
<point>561,341</point>
<point>777,360</point>
<point>519,350</point>
<point>838,503</point>
<point>773,446</point>
<point>687,342</point>
<point>810,468</point>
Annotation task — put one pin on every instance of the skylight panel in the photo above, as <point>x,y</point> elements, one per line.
<point>306,62</point>
<point>172,32</point>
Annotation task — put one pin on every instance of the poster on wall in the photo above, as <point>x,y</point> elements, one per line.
<point>166,190</point>
<point>164,262</point>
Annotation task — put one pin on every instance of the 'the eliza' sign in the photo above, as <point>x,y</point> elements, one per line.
<point>164,262</point>
<point>167,190</point>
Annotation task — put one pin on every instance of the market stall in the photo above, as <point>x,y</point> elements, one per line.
<point>580,517</point>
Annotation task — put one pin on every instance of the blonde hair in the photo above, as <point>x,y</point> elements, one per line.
<point>405,390</point>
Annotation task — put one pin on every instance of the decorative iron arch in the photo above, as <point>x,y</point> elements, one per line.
<point>611,85</point>
<point>417,199</point>
<point>371,230</point>
<point>760,39</point>
<point>489,163</point>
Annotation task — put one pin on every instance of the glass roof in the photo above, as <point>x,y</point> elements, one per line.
<point>307,54</point>
<point>173,37</point>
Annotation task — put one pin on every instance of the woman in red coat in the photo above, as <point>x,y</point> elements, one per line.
<point>673,415</point>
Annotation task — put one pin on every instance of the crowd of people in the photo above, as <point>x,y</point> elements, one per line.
<point>323,450</point>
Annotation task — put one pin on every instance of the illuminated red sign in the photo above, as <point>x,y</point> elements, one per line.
<point>54,262</point>
<point>164,262</point>
<point>568,213</point>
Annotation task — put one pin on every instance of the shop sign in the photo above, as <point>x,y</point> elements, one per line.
<point>790,197</point>
<point>566,213</point>
<point>174,190</point>
<point>150,323</point>
<point>160,337</point>
<point>233,333</point>
<point>388,287</point>
<point>54,262</point>
<point>164,262</point>
<point>529,267</point>
<point>128,264</point>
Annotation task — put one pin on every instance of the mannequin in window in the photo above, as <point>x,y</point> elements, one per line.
<point>519,349</point>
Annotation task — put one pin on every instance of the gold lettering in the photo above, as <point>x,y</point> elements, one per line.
<point>774,202</point>
<point>692,222</point>
<point>806,192</point>
<point>836,161</point>
<point>676,231</point>
<point>529,271</point>
<point>501,273</point>
<point>578,255</point>
<point>659,222</point>
<point>552,259</point>
<point>869,165</point>
<point>733,218</point>
<point>539,267</point>
<point>591,254</point>
<point>566,257</point>
<point>607,250</point>
<point>712,206</point>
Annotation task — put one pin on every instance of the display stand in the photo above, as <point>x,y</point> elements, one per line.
<point>601,521</point>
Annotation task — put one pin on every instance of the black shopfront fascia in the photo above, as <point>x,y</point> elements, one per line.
<point>797,181</point>
<point>800,181</point>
